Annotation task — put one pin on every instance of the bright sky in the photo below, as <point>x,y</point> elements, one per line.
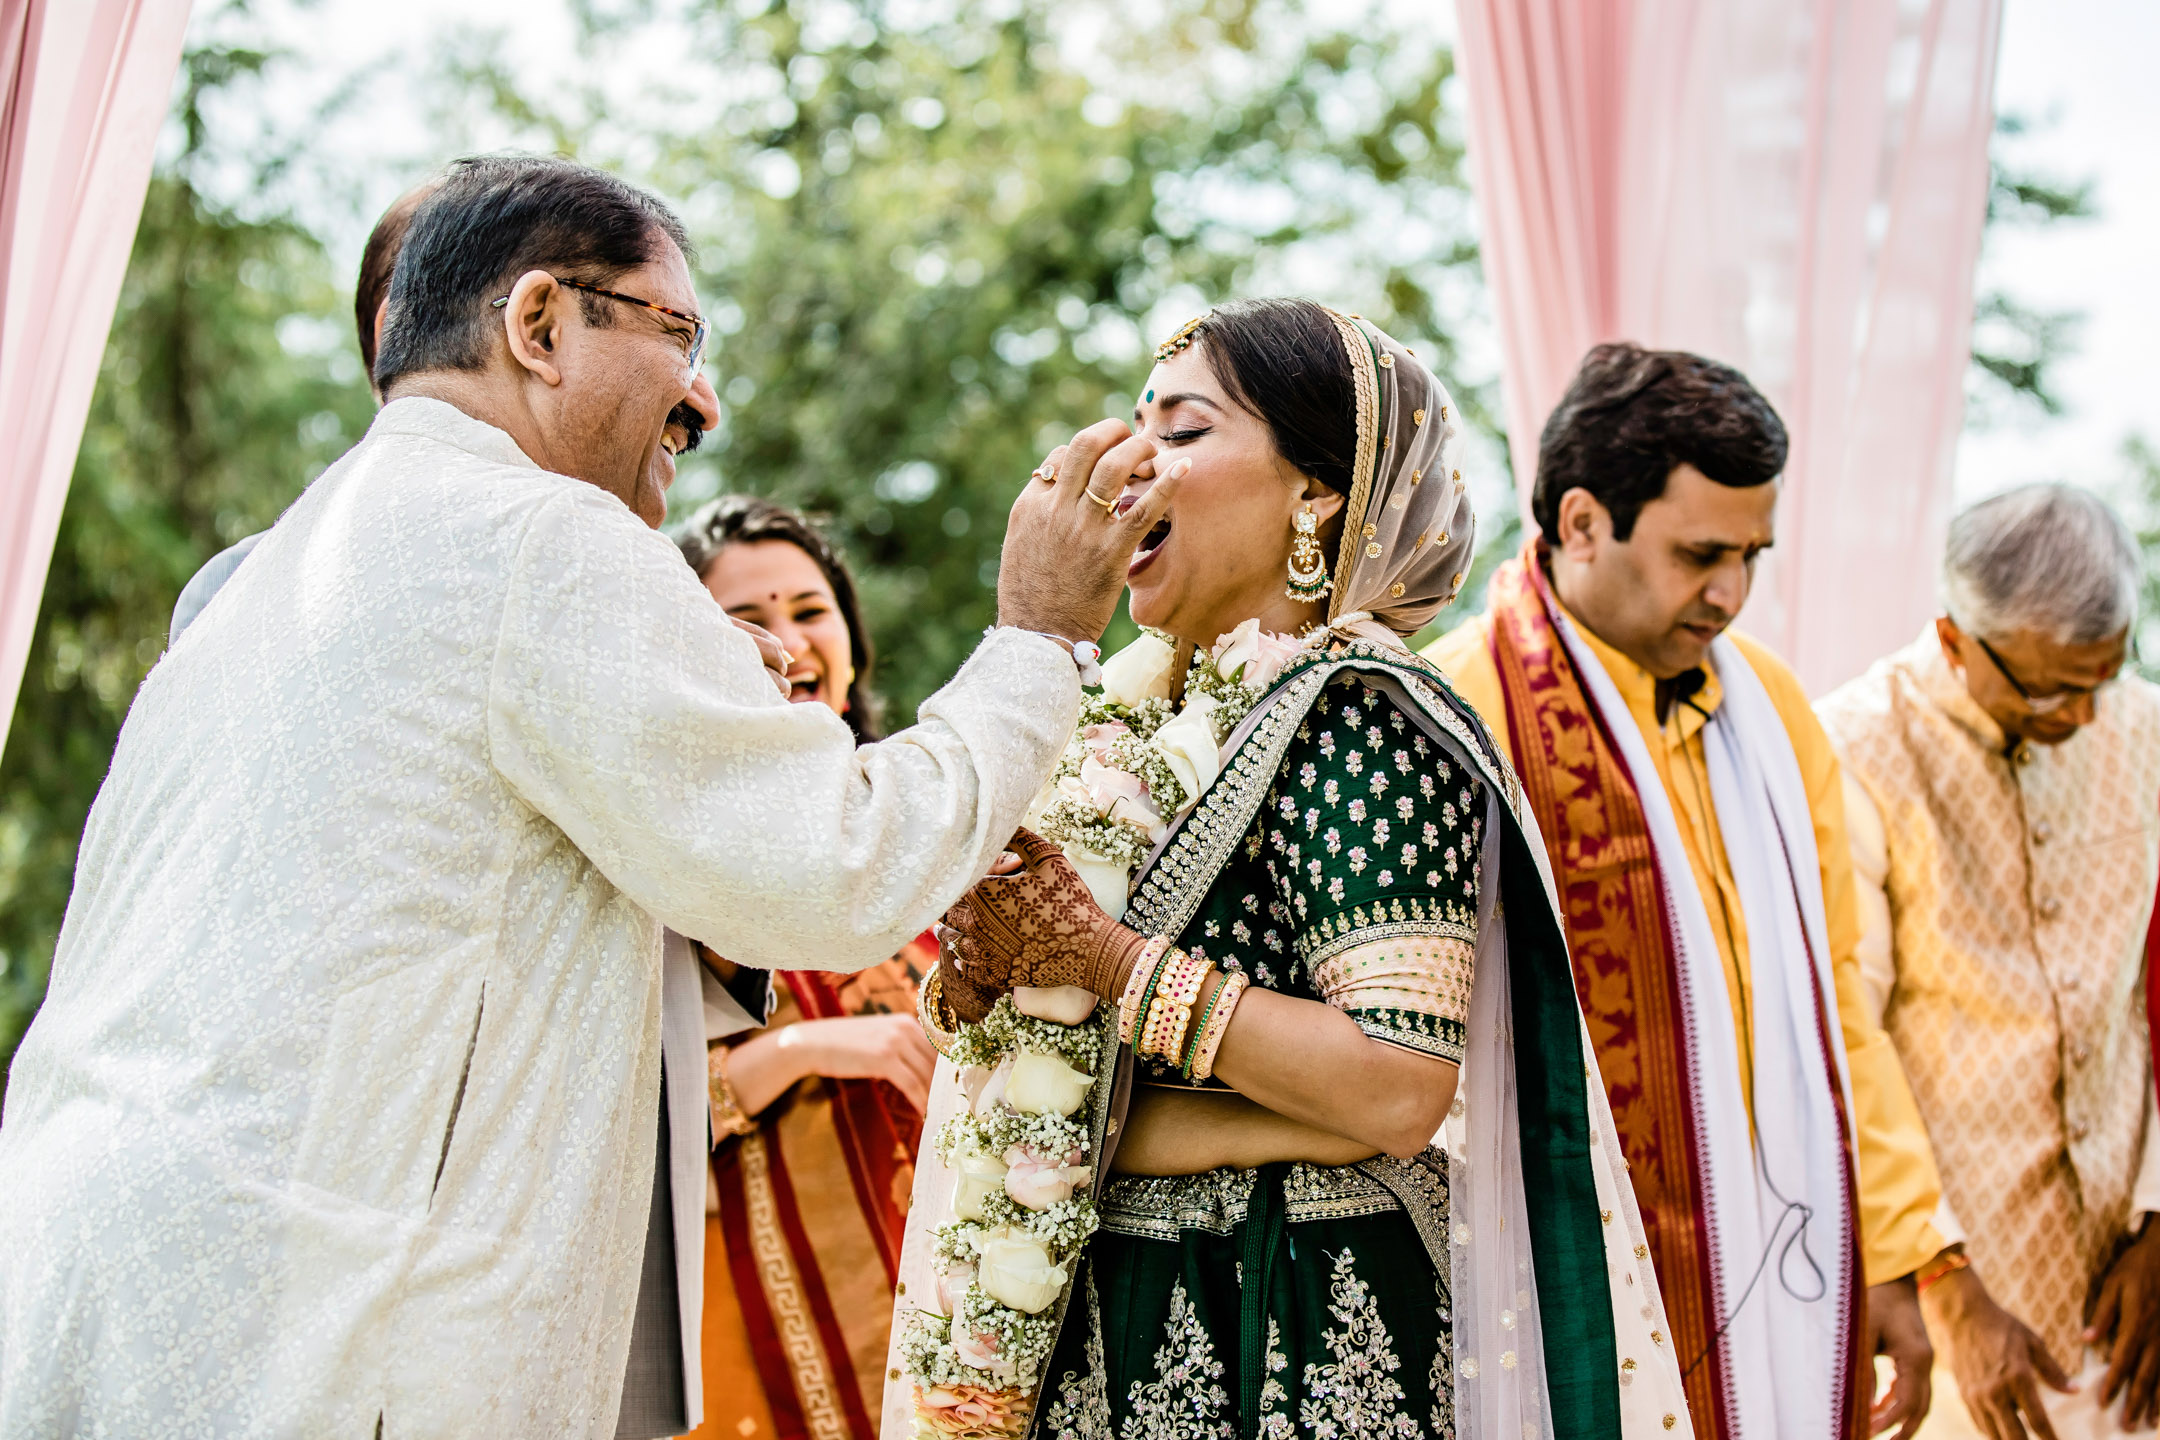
<point>2079,68</point>
<point>2085,65</point>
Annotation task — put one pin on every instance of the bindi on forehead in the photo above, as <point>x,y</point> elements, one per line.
<point>1149,397</point>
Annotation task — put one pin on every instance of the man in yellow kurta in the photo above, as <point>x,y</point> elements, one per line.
<point>1656,491</point>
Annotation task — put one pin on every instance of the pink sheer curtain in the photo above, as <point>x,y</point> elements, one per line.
<point>84,86</point>
<point>1795,187</point>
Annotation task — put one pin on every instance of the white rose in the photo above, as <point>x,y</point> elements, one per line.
<point>1109,881</point>
<point>1060,1004</point>
<point>1188,743</point>
<point>1014,1269</point>
<point>1236,648</point>
<point>1140,671</point>
<point>1045,1085</point>
<point>979,1176</point>
<point>1140,810</point>
<point>985,1094</point>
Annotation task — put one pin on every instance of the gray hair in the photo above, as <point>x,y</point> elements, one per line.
<point>2049,558</point>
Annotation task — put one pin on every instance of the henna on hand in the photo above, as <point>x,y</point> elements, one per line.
<point>966,998</point>
<point>1040,926</point>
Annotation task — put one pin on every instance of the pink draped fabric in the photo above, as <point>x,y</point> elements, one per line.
<point>84,86</point>
<point>1795,187</point>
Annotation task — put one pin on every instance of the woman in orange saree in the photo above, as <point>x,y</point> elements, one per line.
<point>818,1114</point>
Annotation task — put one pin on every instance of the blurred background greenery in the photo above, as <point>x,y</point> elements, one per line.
<point>935,238</point>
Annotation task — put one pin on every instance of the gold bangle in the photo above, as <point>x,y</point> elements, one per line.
<point>1136,986</point>
<point>934,1015</point>
<point>1202,1018</point>
<point>729,1118</point>
<point>1158,1021</point>
<point>1170,1016</point>
<point>1218,1024</point>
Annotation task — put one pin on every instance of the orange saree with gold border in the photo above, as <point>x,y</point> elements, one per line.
<point>803,1249</point>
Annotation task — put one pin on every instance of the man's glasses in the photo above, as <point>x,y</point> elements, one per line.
<point>2038,704</point>
<point>695,352</point>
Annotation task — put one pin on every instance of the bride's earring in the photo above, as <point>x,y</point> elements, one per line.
<point>1308,563</point>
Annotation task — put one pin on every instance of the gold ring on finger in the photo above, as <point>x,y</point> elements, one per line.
<point>1046,471</point>
<point>1109,506</point>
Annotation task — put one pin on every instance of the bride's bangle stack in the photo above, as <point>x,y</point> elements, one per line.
<point>1155,1010</point>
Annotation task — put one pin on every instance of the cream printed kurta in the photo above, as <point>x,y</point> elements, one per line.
<point>340,1108</point>
<point>2005,899</point>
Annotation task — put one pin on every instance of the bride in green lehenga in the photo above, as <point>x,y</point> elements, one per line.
<point>1342,951</point>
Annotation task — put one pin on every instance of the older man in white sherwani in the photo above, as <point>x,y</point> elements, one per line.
<point>663,1380</point>
<point>2003,798</point>
<point>338,1118</point>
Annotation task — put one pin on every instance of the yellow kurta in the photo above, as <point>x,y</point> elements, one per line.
<point>1899,1187</point>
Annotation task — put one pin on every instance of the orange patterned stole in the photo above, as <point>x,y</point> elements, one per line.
<point>1608,882</point>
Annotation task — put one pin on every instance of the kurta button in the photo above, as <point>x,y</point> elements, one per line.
<point>2078,1131</point>
<point>2050,907</point>
<point>2023,755</point>
<point>2080,1054</point>
<point>2042,832</point>
<point>2070,982</point>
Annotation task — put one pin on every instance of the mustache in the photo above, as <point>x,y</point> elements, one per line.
<point>692,423</point>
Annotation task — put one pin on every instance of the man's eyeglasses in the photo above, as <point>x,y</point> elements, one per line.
<point>2038,704</point>
<point>694,353</point>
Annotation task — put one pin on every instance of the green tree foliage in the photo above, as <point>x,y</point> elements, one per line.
<point>2015,345</point>
<point>226,385</point>
<point>2141,507</point>
<point>933,244</point>
<point>937,251</point>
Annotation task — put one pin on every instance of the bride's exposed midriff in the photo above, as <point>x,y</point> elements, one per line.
<point>1171,1130</point>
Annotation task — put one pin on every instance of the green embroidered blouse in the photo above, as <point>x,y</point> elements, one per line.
<point>1357,883</point>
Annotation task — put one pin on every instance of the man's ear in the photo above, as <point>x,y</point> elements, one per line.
<point>1947,636</point>
<point>533,324</point>
<point>1584,521</point>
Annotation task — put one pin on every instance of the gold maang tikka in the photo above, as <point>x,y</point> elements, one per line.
<point>1308,563</point>
<point>1184,337</point>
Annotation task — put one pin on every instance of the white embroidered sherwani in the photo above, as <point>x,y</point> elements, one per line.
<point>2005,900</point>
<point>341,1104</point>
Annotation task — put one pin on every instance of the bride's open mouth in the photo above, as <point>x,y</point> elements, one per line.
<point>806,685</point>
<point>1150,547</point>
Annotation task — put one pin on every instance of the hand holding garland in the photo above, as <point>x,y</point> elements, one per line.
<point>1037,925</point>
<point>1303,1059</point>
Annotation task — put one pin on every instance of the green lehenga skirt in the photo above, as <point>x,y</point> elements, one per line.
<point>1288,1301</point>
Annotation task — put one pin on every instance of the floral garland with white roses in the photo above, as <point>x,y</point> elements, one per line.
<point>1020,1149</point>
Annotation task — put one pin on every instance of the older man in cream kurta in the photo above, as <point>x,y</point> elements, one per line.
<point>2005,890</point>
<point>339,1113</point>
